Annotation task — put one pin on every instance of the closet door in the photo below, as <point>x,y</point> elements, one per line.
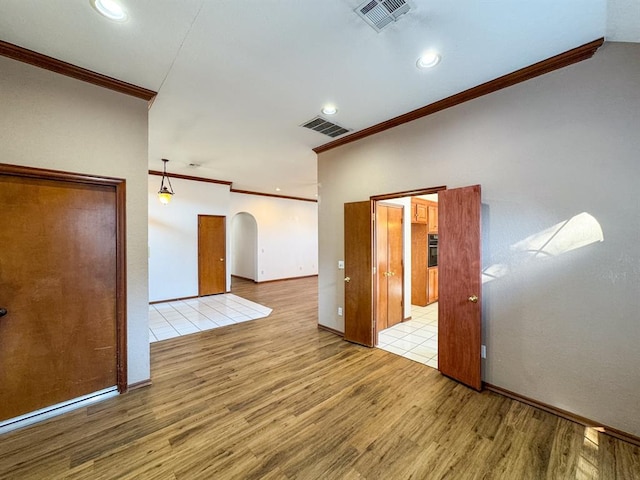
<point>61,284</point>
<point>389,266</point>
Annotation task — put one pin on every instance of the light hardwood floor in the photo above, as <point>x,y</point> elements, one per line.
<point>276,398</point>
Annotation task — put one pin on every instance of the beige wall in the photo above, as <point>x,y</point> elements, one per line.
<point>51,121</point>
<point>563,329</point>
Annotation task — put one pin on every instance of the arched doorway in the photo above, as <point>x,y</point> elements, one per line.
<point>244,246</point>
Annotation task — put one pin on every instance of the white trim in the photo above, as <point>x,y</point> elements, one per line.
<point>55,410</point>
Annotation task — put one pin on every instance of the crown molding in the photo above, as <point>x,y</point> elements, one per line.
<point>189,177</point>
<point>247,192</point>
<point>233,190</point>
<point>569,57</point>
<point>24,55</point>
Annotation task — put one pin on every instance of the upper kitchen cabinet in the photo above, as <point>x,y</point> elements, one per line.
<point>419,210</point>
<point>432,217</point>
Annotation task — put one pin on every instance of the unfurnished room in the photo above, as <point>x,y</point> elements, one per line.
<point>347,239</point>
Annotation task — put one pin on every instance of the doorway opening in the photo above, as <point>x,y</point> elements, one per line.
<point>244,246</point>
<point>415,334</point>
<point>459,262</point>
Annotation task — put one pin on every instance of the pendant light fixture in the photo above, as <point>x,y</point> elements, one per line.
<point>165,194</point>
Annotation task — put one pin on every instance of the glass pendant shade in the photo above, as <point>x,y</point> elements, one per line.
<point>165,193</point>
<point>164,196</point>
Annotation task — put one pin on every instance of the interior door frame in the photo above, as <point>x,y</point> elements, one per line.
<point>374,201</point>
<point>119,186</point>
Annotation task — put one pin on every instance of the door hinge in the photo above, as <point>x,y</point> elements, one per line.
<point>373,217</point>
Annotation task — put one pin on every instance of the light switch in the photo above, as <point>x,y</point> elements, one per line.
<point>340,264</point>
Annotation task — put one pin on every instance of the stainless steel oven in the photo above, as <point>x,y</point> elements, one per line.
<point>432,250</point>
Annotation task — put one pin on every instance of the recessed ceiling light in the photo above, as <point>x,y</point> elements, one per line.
<point>277,189</point>
<point>110,9</point>
<point>329,110</point>
<point>428,60</point>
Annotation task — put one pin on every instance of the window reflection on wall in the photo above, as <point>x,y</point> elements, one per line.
<point>576,232</point>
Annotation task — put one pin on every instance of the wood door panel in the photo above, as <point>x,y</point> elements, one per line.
<point>212,252</point>
<point>433,218</point>
<point>58,281</point>
<point>358,292</point>
<point>459,272</point>
<point>419,264</point>
<point>395,285</point>
<point>382,267</point>
<point>433,285</point>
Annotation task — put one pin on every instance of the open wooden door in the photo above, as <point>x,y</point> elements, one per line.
<point>358,281</point>
<point>212,252</point>
<point>459,304</point>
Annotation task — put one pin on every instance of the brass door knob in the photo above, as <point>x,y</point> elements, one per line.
<point>473,298</point>
<point>222,259</point>
<point>347,279</point>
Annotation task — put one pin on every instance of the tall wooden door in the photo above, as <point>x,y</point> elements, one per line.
<point>389,266</point>
<point>212,252</point>
<point>358,280</point>
<point>62,336</point>
<point>460,287</point>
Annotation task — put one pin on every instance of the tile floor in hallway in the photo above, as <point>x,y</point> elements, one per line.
<point>182,317</point>
<point>415,339</point>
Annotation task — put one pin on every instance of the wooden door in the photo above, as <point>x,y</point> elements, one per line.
<point>459,271</point>
<point>382,267</point>
<point>358,280</point>
<point>389,267</point>
<point>62,284</point>
<point>395,278</point>
<point>212,252</point>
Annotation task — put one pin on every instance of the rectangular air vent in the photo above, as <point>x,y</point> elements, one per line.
<point>381,13</point>
<point>321,125</point>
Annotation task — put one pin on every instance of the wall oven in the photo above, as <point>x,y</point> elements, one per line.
<point>432,250</point>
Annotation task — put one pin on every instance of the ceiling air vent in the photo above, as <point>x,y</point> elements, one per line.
<point>321,125</point>
<point>381,13</point>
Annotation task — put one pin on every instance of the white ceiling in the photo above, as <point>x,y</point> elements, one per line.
<point>235,79</point>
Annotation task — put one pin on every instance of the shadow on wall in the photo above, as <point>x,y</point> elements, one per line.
<point>244,246</point>
<point>576,232</point>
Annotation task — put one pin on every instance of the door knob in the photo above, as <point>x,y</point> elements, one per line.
<point>222,259</point>
<point>347,279</point>
<point>3,312</point>
<point>473,298</point>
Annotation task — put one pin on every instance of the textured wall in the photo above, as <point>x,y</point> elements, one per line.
<point>51,121</point>
<point>560,323</point>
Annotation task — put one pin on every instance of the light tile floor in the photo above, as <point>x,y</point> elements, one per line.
<point>415,339</point>
<point>182,317</point>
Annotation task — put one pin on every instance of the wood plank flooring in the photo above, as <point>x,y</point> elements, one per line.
<point>276,398</point>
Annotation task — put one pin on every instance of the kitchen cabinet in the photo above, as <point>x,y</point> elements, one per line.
<point>432,290</point>
<point>419,264</point>
<point>419,211</point>
<point>424,280</point>
<point>432,217</point>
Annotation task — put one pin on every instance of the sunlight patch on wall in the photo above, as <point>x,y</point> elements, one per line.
<point>576,232</point>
